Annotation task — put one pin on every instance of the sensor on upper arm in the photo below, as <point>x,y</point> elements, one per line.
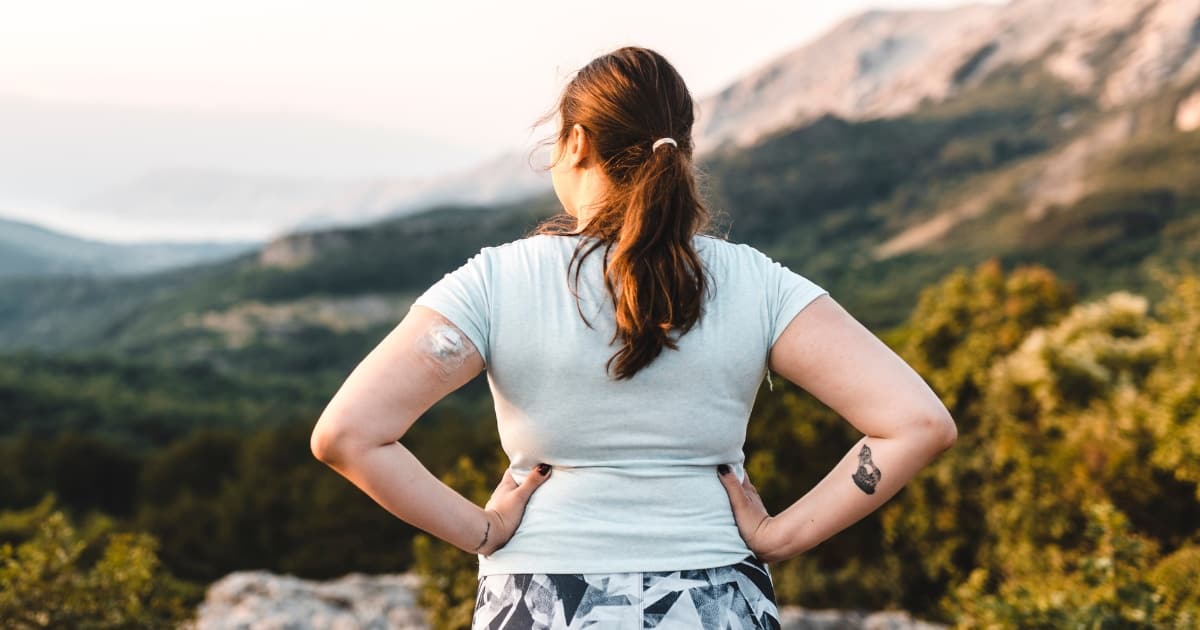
<point>447,347</point>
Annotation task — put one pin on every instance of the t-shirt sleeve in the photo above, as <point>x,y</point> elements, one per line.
<point>463,296</point>
<point>788,293</point>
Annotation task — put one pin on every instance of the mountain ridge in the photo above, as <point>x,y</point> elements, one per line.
<point>885,63</point>
<point>30,249</point>
<point>1016,164</point>
<point>876,63</point>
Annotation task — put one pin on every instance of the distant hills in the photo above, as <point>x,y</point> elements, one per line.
<point>1014,156</point>
<point>30,250</point>
<point>336,289</point>
<point>193,200</point>
<point>872,65</point>
<point>171,173</point>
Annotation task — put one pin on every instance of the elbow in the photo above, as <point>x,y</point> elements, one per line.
<point>941,429</point>
<point>322,445</point>
<point>328,442</point>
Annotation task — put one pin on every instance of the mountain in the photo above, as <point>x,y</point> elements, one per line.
<point>179,201</point>
<point>171,174</point>
<point>1017,162</point>
<point>887,63</point>
<point>337,289</point>
<point>30,250</point>
<point>874,64</point>
<point>60,150</point>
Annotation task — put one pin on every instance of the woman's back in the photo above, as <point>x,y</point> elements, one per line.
<point>629,391</point>
<point>633,487</point>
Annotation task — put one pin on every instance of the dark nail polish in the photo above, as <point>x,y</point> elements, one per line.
<point>544,469</point>
<point>723,469</point>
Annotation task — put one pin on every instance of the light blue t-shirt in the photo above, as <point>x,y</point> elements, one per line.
<point>634,486</point>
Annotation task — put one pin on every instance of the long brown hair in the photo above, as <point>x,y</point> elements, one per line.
<point>625,100</point>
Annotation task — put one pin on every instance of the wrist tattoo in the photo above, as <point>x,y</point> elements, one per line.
<point>868,474</point>
<point>485,536</point>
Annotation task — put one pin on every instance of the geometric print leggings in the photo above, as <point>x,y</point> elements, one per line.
<point>739,596</point>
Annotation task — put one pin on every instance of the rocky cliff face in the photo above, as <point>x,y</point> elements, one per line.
<point>296,250</point>
<point>258,600</point>
<point>885,63</point>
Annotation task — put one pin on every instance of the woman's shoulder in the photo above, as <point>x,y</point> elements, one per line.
<point>730,251</point>
<point>526,250</point>
<point>517,244</point>
<point>708,243</point>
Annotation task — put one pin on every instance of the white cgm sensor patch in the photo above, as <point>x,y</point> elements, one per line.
<point>447,346</point>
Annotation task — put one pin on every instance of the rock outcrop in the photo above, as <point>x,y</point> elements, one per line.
<point>296,250</point>
<point>259,600</point>
<point>795,618</point>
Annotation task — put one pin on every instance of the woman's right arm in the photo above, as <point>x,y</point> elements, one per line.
<point>829,354</point>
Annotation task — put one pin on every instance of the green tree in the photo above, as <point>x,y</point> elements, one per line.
<point>1171,399</point>
<point>1176,577</point>
<point>1101,585</point>
<point>93,577</point>
<point>958,330</point>
<point>1074,464</point>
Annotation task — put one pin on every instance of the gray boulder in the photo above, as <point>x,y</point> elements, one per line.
<point>259,600</point>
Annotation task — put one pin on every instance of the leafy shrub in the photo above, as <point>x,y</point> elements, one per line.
<point>89,578</point>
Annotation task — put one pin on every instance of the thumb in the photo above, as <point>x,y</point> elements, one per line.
<point>535,478</point>
<point>506,481</point>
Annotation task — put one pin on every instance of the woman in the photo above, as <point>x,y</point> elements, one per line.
<point>632,379</point>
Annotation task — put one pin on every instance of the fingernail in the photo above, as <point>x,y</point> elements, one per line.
<point>544,469</point>
<point>723,469</point>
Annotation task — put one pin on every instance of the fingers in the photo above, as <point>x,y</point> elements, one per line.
<point>535,478</point>
<point>736,490</point>
<point>747,486</point>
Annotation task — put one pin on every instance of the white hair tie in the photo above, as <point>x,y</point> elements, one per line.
<point>661,141</point>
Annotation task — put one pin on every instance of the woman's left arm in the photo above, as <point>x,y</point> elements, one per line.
<point>421,361</point>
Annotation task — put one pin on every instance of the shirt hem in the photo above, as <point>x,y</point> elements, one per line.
<point>540,565</point>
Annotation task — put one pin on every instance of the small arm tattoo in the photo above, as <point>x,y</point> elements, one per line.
<point>485,536</point>
<point>868,474</point>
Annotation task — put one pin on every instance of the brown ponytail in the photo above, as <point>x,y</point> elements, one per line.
<point>625,100</point>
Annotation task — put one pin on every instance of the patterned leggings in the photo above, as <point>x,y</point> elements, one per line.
<point>738,596</point>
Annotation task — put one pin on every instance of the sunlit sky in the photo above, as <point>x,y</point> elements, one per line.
<point>474,74</point>
<point>137,119</point>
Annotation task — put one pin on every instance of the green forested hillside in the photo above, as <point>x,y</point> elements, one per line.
<point>31,250</point>
<point>826,196</point>
<point>169,316</point>
<point>828,199</point>
<point>138,404</point>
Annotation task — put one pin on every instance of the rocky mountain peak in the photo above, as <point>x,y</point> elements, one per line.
<point>885,63</point>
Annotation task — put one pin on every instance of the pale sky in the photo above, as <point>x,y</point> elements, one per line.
<point>153,119</point>
<point>470,73</point>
